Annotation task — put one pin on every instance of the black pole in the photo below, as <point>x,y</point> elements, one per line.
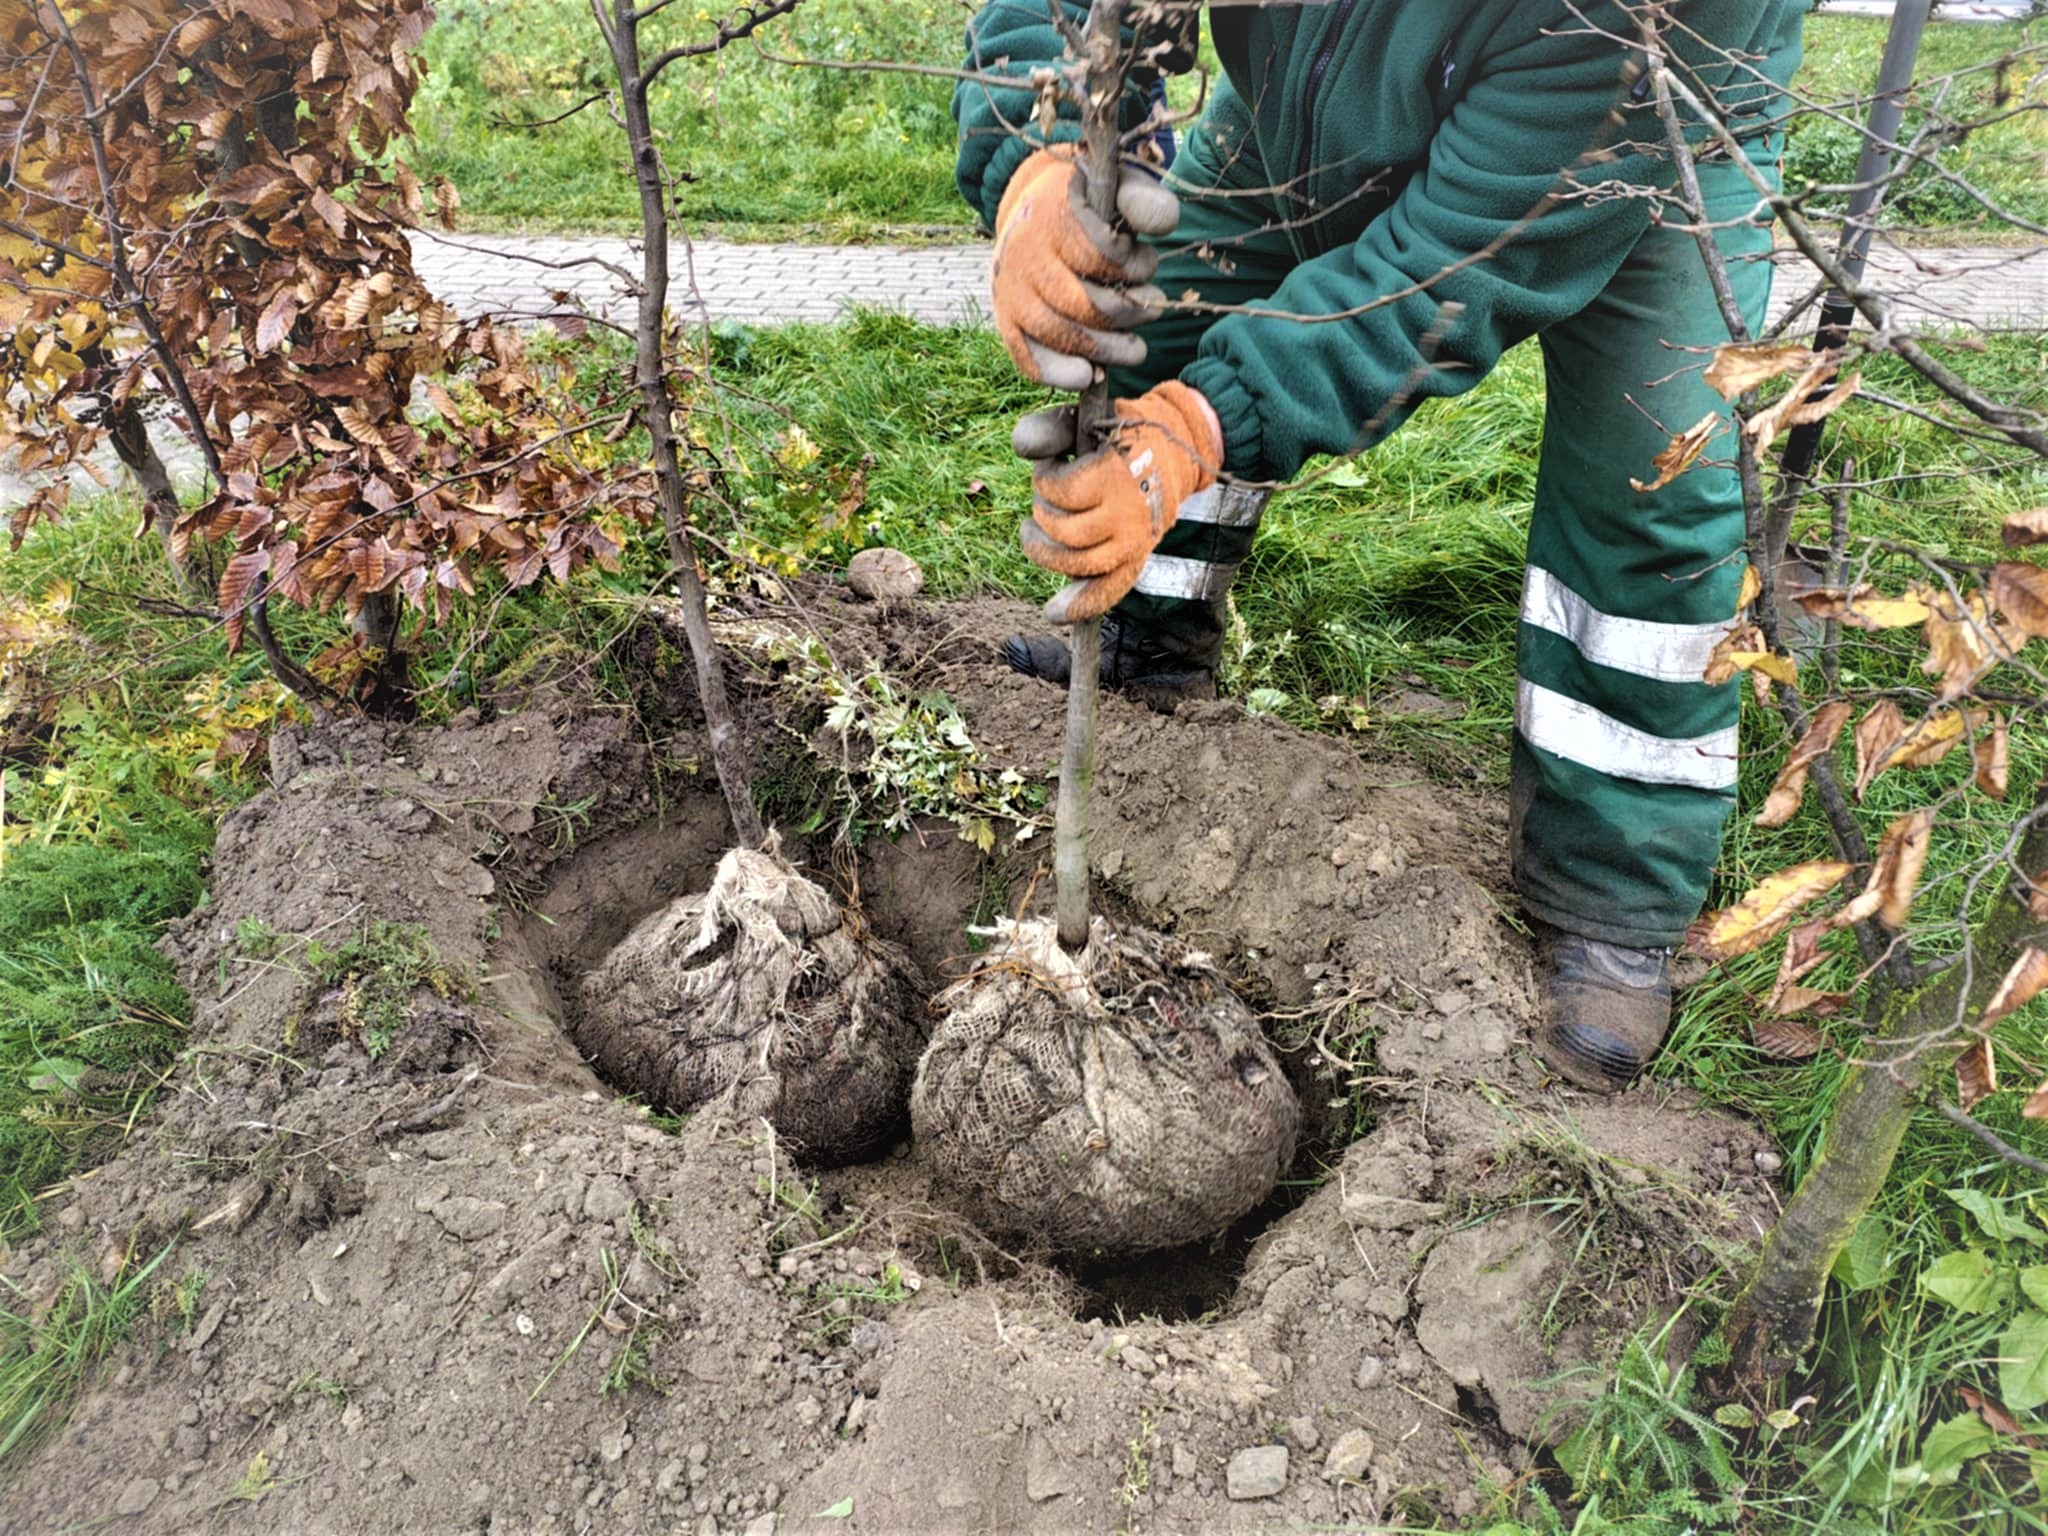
<point>1873,172</point>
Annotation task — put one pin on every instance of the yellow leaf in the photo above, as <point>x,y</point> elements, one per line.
<point>1682,452</point>
<point>1752,588</point>
<point>1901,856</point>
<point>1765,910</point>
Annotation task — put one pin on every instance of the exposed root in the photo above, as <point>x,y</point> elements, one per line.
<point>762,990</point>
<point>1108,1103</point>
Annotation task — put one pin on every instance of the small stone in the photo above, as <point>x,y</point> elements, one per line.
<point>611,1448</point>
<point>1184,1463</point>
<point>320,1296</point>
<point>884,575</point>
<point>1371,1371</point>
<point>352,1417</point>
<point>1432,1031</point>
<point>1768,1162</point>
<point>137,1494</point>
<point>209,1325</point>
<point>665,1480</point>
<point>1257,1472</point>
<point>1301,1433</point>
<point>763,1525</point>
<point>1138,1360</point>
<point>809,1412</point>
<point>1349,1456</point>
<point>468,1218</point>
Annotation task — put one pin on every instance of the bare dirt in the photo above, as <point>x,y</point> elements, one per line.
<point>468,1287</point>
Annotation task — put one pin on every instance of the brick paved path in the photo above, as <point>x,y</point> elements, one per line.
<point>508,274</point>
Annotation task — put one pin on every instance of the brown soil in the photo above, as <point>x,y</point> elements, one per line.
<point>422,1271</point>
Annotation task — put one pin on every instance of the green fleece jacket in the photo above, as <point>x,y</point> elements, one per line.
<point>1402,137</point>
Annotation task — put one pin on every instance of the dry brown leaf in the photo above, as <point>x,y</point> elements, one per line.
<point>1765,910</point>
<point>1997,1415</point>
<point>2022,983</point>
<point>1976,1073</point>
<point>1991,755</point>
<point>1876,734</point>
<point>1959,642</point>
<point>1864,608</point>
<point>1786,1039</point>
<point>2036,1107</point>
<point>2037,898</point>
<point>1822,1005</point>
<point>2020,590</point>
<point>1901,856</point>
<point>2024,528</point>
<point>1798,407</point>
<point>1741,366</point>
<point>1790,788</point>
<point>1682,452</point>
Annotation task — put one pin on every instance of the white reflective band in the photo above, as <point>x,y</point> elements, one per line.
<point>1671,653</point>
<point>1579,733</point>
<point>1225,506</point>
<point>1171,576</point>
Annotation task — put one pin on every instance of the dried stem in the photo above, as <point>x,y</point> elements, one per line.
<point>657,413</point>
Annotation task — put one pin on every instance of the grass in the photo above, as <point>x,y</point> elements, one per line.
<point>776,150</point>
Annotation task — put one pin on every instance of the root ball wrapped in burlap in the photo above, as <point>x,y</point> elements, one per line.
<point>1108,1103</point>
<point>763,993</point>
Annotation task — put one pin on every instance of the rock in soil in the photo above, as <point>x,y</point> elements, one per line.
<point>884,575</point>
<point>1257,1473</point>
<point>761,994</point>
<point>1111,1103</point>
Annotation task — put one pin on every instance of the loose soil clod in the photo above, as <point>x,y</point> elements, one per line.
<point>1117,1101</point>
<point>762,988</point>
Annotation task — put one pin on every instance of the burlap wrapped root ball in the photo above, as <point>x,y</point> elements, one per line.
<point>1104,1104</point>
<point>765,994</point>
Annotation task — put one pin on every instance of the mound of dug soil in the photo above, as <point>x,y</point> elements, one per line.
<point>440,1278</point>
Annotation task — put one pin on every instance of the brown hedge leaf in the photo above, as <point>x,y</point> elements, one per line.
<point>1865,607</point>
<point>1976,1073</point>
<point>1765,910</point>
<point>2021,592</point>
<point>2023,981</point>
<point>1787,1039</point>
<point>2036,1107</point>
<point>1822,1005</point>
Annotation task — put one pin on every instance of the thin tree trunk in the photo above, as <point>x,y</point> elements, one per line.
<point>129,433</point>
<point>1773,1321</point>
<point>1102,81</point>
<point>657,411</point>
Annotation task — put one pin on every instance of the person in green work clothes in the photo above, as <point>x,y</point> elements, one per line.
<point>1380,199</point>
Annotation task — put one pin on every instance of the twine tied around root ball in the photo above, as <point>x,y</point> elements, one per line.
<point>1107,1103</point>
<point>765,991</point>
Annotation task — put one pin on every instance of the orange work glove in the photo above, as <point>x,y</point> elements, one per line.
<point>1099,517</point>
<point>1053,258</point>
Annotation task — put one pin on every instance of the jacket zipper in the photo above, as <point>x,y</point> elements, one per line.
<point>1316,71</point>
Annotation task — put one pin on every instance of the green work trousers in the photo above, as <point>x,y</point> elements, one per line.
<point>1624,762</point>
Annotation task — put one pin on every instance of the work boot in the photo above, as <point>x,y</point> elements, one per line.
<point>1605,1008</point>
<point>1135,662</point>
